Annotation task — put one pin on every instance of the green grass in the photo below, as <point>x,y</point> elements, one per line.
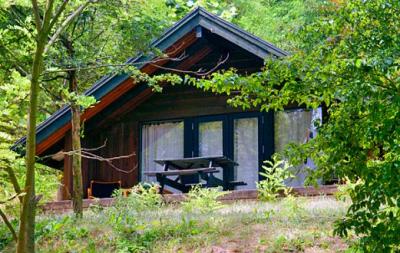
<point>288,225</point>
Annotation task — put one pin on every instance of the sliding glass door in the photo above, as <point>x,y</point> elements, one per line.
<point>209,139</point>
<point>236,136</point>
<point>246,151</point>
<point>246,138</point>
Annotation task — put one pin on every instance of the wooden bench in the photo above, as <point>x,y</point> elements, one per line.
<point>237,183</point>
<point>181,172</point>
<point>187,170</point>
<point>203,173</point>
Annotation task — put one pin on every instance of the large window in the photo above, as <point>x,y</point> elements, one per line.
<point>246,151</point>
<point>160,141</point>
<point>296,126</point>
<point>211,138</point>
<point>246,138</point>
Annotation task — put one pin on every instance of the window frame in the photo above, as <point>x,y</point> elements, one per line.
<point>191,135</point>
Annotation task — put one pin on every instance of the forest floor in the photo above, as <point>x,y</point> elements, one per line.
<point>288,225</point>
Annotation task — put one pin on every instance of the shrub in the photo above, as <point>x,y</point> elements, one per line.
<point>275,174</point>
<point>203,200</point>
<point>142,197</point>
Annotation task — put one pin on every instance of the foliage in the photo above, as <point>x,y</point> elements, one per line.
<point>224,9</point>
<point>349,62</point>
<point>346,190</point>
<point>275,20</point>
<point>129,218</point>
<point>142,197</point>
<point>274,173</point>
<point>163,230</point>
<point>203,200</point>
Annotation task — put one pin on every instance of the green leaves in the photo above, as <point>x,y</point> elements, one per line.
<point>85,101</point>
<point>349,64</point>
<point>203,200</point>
<point>274,173</point>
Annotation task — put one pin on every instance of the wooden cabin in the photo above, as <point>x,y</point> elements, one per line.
<point>181,121</point>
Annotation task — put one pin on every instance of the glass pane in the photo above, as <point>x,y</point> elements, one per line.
<point>291,127</point>
<point>211,141</point>
<point>210,138</point>
<point>246,151</point>
<point>296,126</point>
<point>160,141</point>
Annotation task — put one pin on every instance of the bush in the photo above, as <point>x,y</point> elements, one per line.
<point>275,174</point>
<point>203,200</point>
<point>142,197</point>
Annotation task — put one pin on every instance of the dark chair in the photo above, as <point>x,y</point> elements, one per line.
<point>102,189</point>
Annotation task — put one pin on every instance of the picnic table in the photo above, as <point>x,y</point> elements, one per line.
<point>189,171</point>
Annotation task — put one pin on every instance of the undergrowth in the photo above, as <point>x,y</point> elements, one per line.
<point>143,223</point>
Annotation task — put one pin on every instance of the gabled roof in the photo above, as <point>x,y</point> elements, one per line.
<point>199,17</point>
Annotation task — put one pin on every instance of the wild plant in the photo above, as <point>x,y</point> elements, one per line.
<point>275,173</point>
<point>124,215</point>
<point>142,197</point>
<point>203,200</point>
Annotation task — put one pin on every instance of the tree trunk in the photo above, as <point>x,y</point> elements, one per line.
<point>77,192</point>
<point>26,234</point>
<point>77,188</point>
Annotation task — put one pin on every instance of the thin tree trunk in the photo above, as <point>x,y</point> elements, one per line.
<point>76,161</point>
<point>77,188</point>
<point>26,235</point>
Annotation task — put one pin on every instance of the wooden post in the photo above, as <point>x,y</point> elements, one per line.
<point>67,175</point>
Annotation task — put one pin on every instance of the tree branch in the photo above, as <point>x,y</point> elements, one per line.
<point>36,14</point>
<point>9,225</point>
<point>2,202</point>
<point>14,181</point>
<point>64,24</point>
<point>58,14</point>
<point>180,58</point>
<point>200,72</point>
<point>84,152</point>
<point>47,16</point>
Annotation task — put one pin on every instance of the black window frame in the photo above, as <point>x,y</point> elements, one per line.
<point>191,134</point>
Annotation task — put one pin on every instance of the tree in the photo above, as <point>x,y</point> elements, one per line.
<point>348,62</point>
<point>45,18</point>
<point>79,62</point>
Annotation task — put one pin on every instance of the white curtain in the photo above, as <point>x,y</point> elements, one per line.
<point>296,126</point>
<point>211,140</point>
<point>160,141</point>
<point>246,151</point>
